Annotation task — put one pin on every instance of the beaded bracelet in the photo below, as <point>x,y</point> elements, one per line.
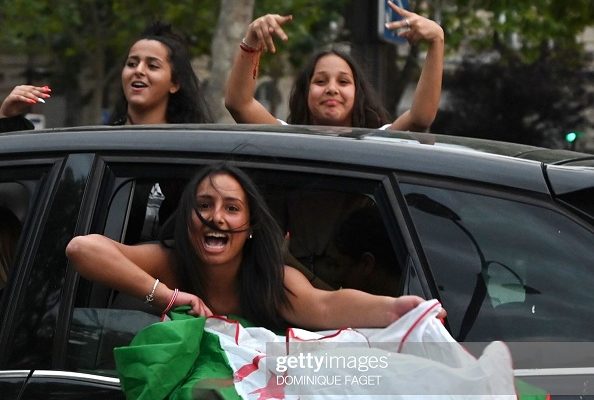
<point>151,296</point>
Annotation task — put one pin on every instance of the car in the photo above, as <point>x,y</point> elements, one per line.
<point>502,234</point>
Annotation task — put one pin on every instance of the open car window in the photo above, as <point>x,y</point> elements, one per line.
<point>335,234</point>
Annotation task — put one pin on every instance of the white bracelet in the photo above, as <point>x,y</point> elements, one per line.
<point>151,296</point>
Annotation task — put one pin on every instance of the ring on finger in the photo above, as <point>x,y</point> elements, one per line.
<point>407,23</point>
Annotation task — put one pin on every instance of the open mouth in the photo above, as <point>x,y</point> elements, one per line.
<point>138,85</point>
<point>215,240</point>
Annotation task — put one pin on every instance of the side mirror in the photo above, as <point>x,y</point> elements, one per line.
<point>504,285</point>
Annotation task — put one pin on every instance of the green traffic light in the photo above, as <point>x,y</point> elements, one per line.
<point>571,137</point>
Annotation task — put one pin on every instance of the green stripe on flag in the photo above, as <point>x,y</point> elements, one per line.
<point>527,391</point>
<point>175,359</point>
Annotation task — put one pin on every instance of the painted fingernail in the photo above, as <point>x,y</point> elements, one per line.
<point>39,99</point>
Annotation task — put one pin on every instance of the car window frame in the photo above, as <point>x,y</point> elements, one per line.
<point>109,166</point>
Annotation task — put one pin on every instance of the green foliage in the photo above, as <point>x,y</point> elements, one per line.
<point>79,28</point>
<point>519,28</point>
<point>523,71</point>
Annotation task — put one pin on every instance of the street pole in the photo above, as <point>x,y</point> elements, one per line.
<point>377,58</point>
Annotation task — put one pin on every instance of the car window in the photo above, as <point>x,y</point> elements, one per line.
<point>102,317</point>
<point>34,274</point>
<point>331,223</point>
<point>505,268</point>
<point>15,199</point>
<point>14,207</point>
<point>336,231</point>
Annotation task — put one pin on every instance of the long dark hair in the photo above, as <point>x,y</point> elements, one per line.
<point>261,277</point>
<point>368,111</point>
<point>187,105</point>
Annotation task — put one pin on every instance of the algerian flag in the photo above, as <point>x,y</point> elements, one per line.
<point>413,358</point>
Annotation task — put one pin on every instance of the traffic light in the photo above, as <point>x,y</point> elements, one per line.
<point>571,137</point>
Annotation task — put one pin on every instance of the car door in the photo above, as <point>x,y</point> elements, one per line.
<point>511,265</point>
<point>36,301</point>
<point>25,193</point>
<point>312,204</point>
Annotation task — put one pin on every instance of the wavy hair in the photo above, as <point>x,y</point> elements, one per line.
<point>368,111</point>
<point>187,105</point>
<point>261,277</point>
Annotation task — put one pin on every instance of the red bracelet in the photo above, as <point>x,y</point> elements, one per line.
<point>168,308</point>
<point>247,48</point>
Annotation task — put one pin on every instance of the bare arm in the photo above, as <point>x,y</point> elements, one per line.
<point>21,98</point>
<point>130,269</point>
<point>241,84</point>
<point>320,309</point>
<point>428,92</point>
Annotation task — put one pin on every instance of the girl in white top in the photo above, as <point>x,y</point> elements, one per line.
<point>331,89</point>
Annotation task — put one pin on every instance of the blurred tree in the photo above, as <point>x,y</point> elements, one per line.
<point>513,28</point>
<point>523,77</point>
<point>234,17</point>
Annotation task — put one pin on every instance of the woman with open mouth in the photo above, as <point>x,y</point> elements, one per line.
<point>227,259</point>
<point>158,86</point>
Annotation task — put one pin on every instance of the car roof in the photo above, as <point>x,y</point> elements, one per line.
<point>489,161</point>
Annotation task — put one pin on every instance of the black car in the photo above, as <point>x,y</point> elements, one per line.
<point>502,234</point>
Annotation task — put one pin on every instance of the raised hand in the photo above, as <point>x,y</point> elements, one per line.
<point>262,30</point>
<point>21,98</point>
<point>414,27</point>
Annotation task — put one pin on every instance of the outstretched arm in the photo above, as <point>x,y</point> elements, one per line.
<point>416,28</point>
<point>131,269</point>
<point>320,309</point>
<point>241,84</point>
